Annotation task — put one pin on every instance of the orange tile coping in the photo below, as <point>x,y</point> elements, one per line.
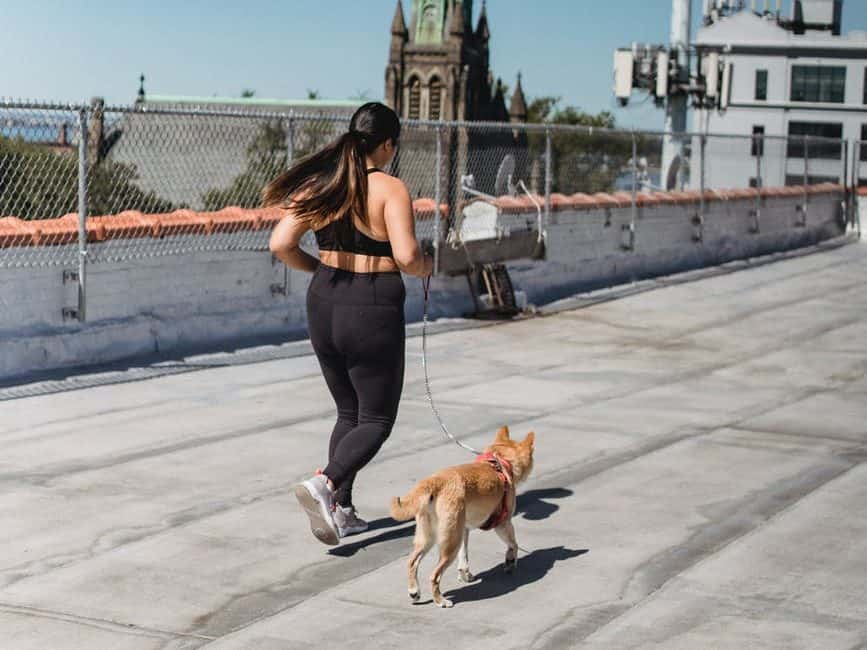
<point>135,224</point>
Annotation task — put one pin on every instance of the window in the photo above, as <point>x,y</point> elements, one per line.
<point>762,85</point>
<point>758,145</point>
<point>865,87</point>
<point>863,144</point>
<point>414,111</point>
<point>818,148</point>
<point>436,98</point>
<point>818,83</point>
<point>798,179</point>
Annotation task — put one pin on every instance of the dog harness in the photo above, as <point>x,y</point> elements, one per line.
<point>504,471</point>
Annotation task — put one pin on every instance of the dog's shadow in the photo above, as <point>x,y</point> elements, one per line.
<point>496,582</point>
<point>533,504</point>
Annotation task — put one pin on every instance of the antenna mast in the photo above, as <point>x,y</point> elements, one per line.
<point>676,104</point>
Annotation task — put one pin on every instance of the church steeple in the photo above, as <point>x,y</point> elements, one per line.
<point>483,32</point>
<point>518,105</point>
<point>398,24</point>
<point>458,25</point>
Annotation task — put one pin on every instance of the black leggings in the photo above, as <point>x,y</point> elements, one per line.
<point>357,329</point>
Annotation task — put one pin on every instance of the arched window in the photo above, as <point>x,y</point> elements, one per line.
<point>414,99</point>
<point>436,98</point>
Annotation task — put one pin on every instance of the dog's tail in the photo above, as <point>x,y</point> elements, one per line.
<point>407,507</point>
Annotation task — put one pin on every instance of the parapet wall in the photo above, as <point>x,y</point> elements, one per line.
<point>207,298</point>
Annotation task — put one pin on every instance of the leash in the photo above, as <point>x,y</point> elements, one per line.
<point>425,283</point>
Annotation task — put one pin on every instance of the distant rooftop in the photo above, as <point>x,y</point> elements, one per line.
<point>747,29</point>
<point>251,101</point>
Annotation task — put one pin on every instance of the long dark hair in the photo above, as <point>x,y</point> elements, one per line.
<point>331,184</point>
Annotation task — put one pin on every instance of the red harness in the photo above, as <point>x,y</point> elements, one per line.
<point>504,470</point>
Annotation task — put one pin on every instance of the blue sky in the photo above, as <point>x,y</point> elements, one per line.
<point>71,51</point>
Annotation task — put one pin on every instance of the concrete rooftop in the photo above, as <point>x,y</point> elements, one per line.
<point>700,483</point>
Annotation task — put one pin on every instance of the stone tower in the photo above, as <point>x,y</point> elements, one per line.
<point>438,66</point>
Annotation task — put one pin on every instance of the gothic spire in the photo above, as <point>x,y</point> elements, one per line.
<point>483,32</point>
<point>398,24</point>
<point>458,27</point>
<point>518,105</point>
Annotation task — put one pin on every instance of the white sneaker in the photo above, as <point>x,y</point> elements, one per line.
<point>348,522</point>
<point>317,499</point>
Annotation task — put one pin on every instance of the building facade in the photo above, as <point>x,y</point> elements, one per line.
<point>795,76</point>
<point>439,64</point>
<point>439,69</point>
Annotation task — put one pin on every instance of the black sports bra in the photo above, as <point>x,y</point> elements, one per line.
<point>336,236</point>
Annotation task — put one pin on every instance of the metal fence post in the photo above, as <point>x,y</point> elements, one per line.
<point>845,179</point>
<point>438,197</point>
<point>290,141</point>
<point>855,215</point>
<point>634,216</point>
<point>82,214</point>
<point>698,220</point>
<point>803,220</point>
<point>759,144</point>
<point>547,175</point>
<point>858,149</point>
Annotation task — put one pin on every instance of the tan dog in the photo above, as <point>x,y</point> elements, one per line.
<point>449,503</point>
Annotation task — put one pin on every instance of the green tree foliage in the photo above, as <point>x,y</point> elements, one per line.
<point>586,160</point>
<point>40,183</point>
<point>267,156</point>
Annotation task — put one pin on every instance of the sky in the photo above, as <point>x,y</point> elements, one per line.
<point>71,51</point>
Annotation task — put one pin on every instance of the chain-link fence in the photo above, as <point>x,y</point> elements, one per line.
<point>160,181</point>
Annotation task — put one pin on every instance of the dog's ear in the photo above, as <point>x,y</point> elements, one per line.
<point>503,433</point>
<point>529,440</point>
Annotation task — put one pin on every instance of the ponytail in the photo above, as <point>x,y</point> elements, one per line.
<point>331,184</point>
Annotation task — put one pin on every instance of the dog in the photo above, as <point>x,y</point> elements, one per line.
<point>448,504</point>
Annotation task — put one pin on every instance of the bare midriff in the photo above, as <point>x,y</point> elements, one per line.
<point>357,263</point>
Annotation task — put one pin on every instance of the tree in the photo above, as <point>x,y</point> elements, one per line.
<point>266,158</point>
<point>38,183</point>
<point>589,160</point>
<point>247,93</point>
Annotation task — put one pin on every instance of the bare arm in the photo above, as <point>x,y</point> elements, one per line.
<point>400,224</point>
<point>284,244</point>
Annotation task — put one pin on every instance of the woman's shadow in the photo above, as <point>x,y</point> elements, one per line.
<point>533,505</point>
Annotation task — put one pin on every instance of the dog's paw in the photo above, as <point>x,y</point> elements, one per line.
<point>464,575</point>
<point>445,603</point>
<point>511,565</point>
<point>414,596</point>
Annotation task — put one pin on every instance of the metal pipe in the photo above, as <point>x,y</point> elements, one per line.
<point>438,197</point>
<point>806,181</point>
<point>760,150</point>
<point>634,190</point>
<point>290,141</point>
<point>702,162</point>
<point>547,176</point>
<point>82,214</point>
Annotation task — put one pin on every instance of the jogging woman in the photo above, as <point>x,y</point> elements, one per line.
<point>364,225</point>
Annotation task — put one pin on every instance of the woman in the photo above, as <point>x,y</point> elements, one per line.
<point>364,225</point>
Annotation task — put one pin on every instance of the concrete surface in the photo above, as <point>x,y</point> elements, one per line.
<point>700,483</point>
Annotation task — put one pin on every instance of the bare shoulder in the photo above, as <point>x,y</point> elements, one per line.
<point>388,186</point>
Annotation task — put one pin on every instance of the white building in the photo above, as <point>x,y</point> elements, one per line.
<point>791,76</point>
